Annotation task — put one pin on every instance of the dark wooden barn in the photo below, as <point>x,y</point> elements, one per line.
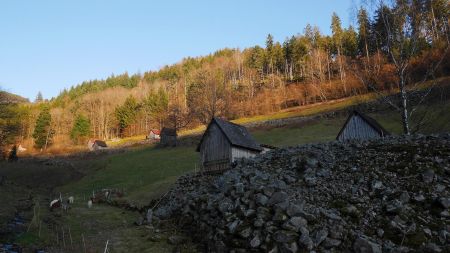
<point>361,127</point>
<point>97,145</point>
<point>223,143</point>
<point>168,137</point>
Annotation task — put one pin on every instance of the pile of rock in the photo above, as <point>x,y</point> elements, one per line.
<point>390,195</point>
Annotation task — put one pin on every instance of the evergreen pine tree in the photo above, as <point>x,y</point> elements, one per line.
<point>39,98</point>
<point>80,129</point>
<point>126,113</point>
<point>42,132</point>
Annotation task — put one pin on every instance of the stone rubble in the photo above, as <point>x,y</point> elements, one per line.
<point>389,195</point>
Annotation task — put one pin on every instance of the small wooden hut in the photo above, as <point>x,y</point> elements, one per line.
<point>168,137</point>
<point>96,145</point>
<point>361,127</point>
<point>223,143</point>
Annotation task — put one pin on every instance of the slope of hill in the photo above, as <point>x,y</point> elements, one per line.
<point>10,98</point>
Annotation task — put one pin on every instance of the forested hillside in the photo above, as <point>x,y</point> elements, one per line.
<point>394,47</point>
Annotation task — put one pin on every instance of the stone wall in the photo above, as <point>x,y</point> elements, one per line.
<point>390,195</point>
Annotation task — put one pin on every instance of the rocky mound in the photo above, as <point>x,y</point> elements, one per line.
<point>390,195</point>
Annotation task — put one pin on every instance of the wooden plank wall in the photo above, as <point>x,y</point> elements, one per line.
<point>237,153</point>
<point>357,128</point>
<point>215,147</point>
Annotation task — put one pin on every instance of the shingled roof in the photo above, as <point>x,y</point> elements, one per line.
<point>100,143</point>
<point>372,122</point>
<point>236,134</point>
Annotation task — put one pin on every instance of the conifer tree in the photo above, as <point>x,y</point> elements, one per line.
<point>39,98</point>
<point>80,129</point>
<point>42,131</point>
<point>126,113</point>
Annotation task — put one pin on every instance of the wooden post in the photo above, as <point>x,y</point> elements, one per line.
<point>57,237</point>
<point>70,236</point>
<point>63,237</point>
<point>106,247</point>
<point>84,243</point>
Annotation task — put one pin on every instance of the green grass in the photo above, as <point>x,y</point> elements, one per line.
<point>309,110</point>
<point>141,173</point>
<point>126,140</point>
<point>316,131</point>
<point>301,111</point>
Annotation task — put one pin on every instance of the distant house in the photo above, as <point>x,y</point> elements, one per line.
<point>266,148</point>
<point>223,143</point>
<point>96,145</point>
<point>361,127</point>
<point>154,135</point>
<point>168,137</point>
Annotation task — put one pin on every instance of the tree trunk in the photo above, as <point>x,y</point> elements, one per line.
<point>404,105</point>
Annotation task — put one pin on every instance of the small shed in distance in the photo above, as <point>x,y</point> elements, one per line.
<point>168,137</point>
<point>223,143</point>
<point>361,127</point>
<point>154,135</point>
<point>96,145</point>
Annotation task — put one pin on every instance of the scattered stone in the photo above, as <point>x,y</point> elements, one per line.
<point>294,210</point>
<point>277,197</point>
<point>380,232</point>
<point>319,236</point>
<point>363,245</point>
<point>404,197</point>
<point>255,242</point>
<point>295,223</point>
<point>432,248</point>
<point>284,236</point>
<point>176,239</point>
<point>340,191</point>
<point>428,176</point>
<point>329,243</point>
<point>444,202</point>
<point>377,185</point>
<point>261,199</point>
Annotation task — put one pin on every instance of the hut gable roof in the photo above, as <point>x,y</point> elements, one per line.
<point>155,131</point>
<point>100,143</point>
<point>237,135</point>
<point>370,121</point>
<point>168,131</point>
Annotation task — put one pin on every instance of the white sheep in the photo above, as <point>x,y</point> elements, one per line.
<point>56,203</point>
<point>70,200</point>
<point>89,203</point>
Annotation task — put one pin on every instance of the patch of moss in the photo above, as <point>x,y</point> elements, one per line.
<point>28,239</point>
<point>415,240</point>
<point>338,204</point>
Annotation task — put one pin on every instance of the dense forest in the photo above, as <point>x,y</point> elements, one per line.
<point>393,47</point>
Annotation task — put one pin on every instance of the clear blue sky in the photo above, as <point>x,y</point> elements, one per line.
<point>50,45</point>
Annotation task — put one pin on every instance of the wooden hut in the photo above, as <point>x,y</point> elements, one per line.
<point>168,137</point>
<point>361,127</point>
<point>223,143</point>
<point>96,145</point>
<point>154,134</point>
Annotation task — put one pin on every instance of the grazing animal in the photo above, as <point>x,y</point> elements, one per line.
<point>70,200</point>
<point>56,203</point>
<point>89,203</point>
